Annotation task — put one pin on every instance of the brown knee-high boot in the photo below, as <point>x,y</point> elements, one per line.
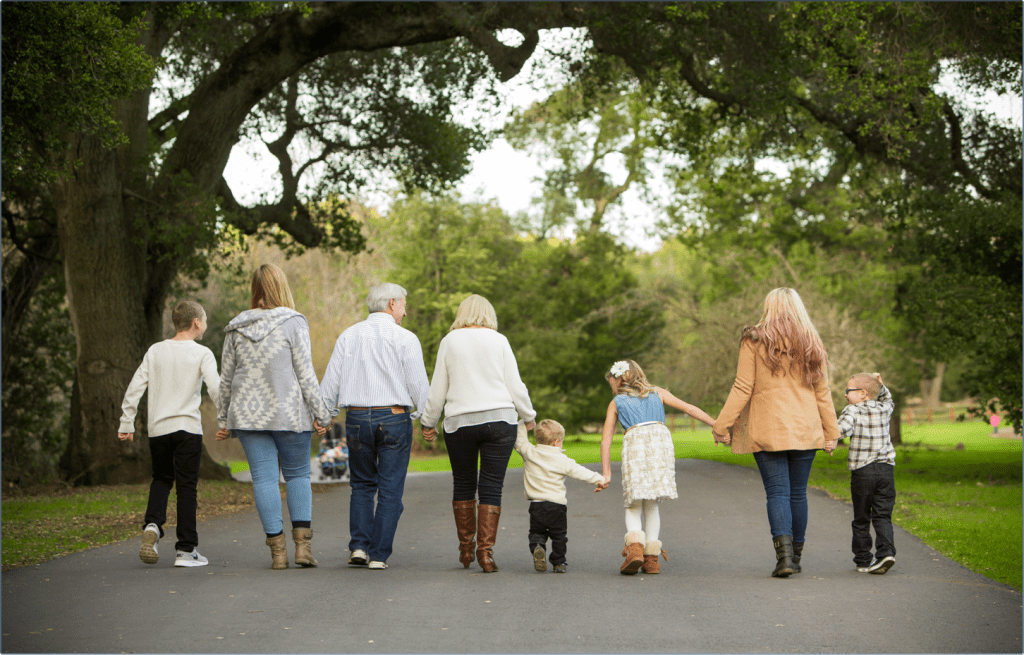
<point>465,524</point>
<point>486,534</point>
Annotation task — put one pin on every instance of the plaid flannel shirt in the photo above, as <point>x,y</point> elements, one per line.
<point>866,425</point>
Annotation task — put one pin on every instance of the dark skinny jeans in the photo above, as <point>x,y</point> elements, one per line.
<point>491,444</point>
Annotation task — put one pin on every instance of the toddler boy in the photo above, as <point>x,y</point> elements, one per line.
<point>173,370</point>
<point>872,460</point>
<point>545,468</point>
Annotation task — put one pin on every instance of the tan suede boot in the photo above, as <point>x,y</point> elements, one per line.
<point>633,552</point>
<point>651,552</point>
<point>279,551</point>
<point>303,553</point>
<point>487,518</point>
<point>465,524</point>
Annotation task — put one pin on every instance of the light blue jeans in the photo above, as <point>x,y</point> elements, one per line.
<point>267,450</point>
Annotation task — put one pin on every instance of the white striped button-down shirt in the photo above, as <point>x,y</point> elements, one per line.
<point>376,363</point>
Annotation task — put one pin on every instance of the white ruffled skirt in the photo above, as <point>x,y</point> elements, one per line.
<point>648,463</point>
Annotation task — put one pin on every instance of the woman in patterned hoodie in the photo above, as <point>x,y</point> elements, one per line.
<point>269,396</point>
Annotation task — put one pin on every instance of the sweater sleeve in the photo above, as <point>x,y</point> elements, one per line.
<point>438,388</point>
<point>227,372</point>
<point>741,390</point>
<point>208,369</point>
<point>514,384</point>
<point>302,365</point>
<point>137,387</point>
<point>523,445</point>
<point>582,473</point>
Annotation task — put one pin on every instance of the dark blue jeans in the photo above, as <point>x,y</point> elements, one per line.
<point>492,444</point>
<point>784,474</point>
<point>379,443</point>
<point>175,459</point>
<point>873,490</point>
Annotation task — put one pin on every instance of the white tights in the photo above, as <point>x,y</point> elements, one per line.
<point>648,509</point>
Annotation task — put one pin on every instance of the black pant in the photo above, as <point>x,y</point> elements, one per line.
<point>549,519</point>
<point>175,459</point>
<point>873,489</point>
<point>490,442</point>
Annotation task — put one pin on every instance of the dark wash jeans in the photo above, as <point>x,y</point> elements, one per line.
<point>549,519</point>
<point>492,444</point>
<point>784,474</point>
<point>873,489</point>
<point>175,458</point>
<point>379,443</point>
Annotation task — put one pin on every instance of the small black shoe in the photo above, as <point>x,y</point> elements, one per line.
<point>539,562</point>
<point>560,568</point>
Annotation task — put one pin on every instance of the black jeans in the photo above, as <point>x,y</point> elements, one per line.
<point>175,459</point>
<point>492,444</point>
<point>873,489</point>
<point>549,519</point>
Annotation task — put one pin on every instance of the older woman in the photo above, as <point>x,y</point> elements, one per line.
<point>476,380</point>
<point>780,409</point>
<point>268,390</point>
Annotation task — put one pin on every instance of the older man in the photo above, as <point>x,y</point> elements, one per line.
<point>376,372</point>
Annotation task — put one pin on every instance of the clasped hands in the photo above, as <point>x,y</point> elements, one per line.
<point>321,430</point>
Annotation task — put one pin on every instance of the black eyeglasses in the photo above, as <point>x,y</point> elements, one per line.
<point>849,390</point>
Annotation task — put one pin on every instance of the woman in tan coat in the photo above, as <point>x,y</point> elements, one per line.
<point>780,409</point>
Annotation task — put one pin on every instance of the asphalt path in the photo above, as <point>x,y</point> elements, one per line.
<point>714,594</point>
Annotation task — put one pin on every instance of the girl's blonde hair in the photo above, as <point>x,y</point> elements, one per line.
<point>270,288</point>
<point>634,382</point>
<point>786,330</point>
<point>475,310</point>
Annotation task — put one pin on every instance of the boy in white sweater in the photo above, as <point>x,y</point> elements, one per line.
<point>545,468</point>
<point>173,370</point>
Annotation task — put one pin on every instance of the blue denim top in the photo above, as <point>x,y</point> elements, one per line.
<point>633,410</point>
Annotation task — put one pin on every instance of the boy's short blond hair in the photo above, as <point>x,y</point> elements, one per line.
<point>549,432</point>
<point>869,383</point>
<point>184,313</point>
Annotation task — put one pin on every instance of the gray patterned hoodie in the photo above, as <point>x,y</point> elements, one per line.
<point>267,380</point>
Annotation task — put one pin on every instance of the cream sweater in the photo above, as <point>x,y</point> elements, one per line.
<point>174,372</point>
<point>545,468</point>
<point>475,372</point>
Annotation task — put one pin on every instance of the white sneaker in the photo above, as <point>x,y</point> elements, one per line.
<point>867,569</point>
<point>190,559</point>
<point>881,566</point>
<point>379,566</point>
<point>150,536</point>
<point>357,558</point>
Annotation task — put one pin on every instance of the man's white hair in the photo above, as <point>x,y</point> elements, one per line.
<point>379,296</point>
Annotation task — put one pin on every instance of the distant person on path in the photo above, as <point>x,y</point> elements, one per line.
<point>780,409</point>
<point>648,459</point>
<point>476,381</point>
<point>268,390</point>
<point>872,460</point>
<point>173,371</point>
<point>545,467</point>
<point>376,372</point>
<point>994,421</point>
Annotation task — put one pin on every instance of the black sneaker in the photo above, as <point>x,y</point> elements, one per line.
<point>560,568</point>
<point>882,565</point>
<point>539,562</point>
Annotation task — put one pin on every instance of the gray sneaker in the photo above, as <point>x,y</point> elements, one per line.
<point>560,568</point>
<point>867,569</point>
<point>150,537</point>
<point>357,558</point>
<point>190,559</point>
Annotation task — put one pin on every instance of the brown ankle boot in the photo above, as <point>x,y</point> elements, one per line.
<point>303,553</point>
<point>279,551</point>
<point>486,533</point>
<point>633,552</point>
<point>465,524</point>
<point>651,552</point>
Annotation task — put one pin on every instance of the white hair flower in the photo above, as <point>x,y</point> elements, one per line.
<point>619,367</point>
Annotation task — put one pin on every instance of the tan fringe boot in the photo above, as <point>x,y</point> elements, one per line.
<point>651,552</point>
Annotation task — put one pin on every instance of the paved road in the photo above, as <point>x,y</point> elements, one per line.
<point>714,595</point>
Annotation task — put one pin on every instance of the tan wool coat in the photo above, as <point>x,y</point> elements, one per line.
<point>768,412</point>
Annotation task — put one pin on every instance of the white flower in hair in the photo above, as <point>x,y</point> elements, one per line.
<point>620,367</point>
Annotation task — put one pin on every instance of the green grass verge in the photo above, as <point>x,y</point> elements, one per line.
<point>965,503</point>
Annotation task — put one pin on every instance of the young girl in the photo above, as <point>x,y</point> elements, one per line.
<point>648,459</point>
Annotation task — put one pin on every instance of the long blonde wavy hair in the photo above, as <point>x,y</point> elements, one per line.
<point>786,330</point>
<point>634,382</point>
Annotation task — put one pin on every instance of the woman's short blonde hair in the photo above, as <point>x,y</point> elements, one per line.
<point>270,288</point>
<point>475,310</point>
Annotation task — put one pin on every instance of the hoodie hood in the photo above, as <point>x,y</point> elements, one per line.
<point>256,324</point>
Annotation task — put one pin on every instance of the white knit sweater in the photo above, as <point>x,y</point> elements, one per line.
<point>545,468</point>
<point>475,372</point>
<point>174,372</point>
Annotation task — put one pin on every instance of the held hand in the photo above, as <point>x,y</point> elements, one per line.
<point>429,434</point>
<point>723,439</point>
<point>607,480</point>
<point>830,446</point>
<point>600,486</point>
<point>223,434</point>
<point>320,430</point>
<point>126,436</point>
<point>529,426</point>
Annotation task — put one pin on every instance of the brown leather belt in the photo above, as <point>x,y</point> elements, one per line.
<point>395,409</point>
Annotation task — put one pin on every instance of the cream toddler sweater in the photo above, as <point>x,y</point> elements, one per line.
<point>545,468</point>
